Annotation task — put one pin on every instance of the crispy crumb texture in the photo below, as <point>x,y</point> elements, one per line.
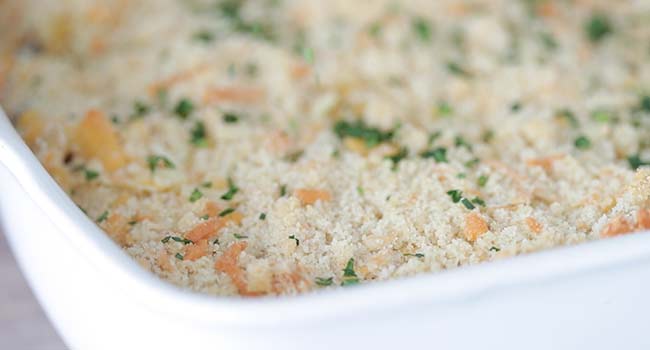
<point>239,147</point>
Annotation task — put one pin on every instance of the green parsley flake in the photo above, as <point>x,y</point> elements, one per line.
<point>90,174</point>
<point>358,129</point>
<point>226,212</point>
<point>204,217</point>
<point>482,180</point>
<point>417,255</point>
<point>207,184</point>
<point>349,276</point>
<point>459,141</point>
<point>179,256</point>
<point>103,217</point>
<point>140,109</point>
<point>466,202</point>
<point>324,282</point>
<point>569,116</point>
<point>439,154</point>
<point>422,29</point>
<point>494,249</point>
<point>283,190</point>
<point>176,239</point>
<point>478,201</point>
<point>198,135</point>
<point>445,109</point>
<point>582,143</point>
<point>636,162</point>
<point>196,195</point>
<point>232,190</point>
<point>602,116</point>
<point>308,54</point>
<point>204,36</point>
<point>644,104</point>
<point>455,195</point>
<point>230,117</point>
<point>238,236</point>
<point>154,161</point>
<point>295,239</point>
<point>598,27</point>
<point>456,68</point>
<point>263,216</point>
<point>184,108</point>
<point>397,157</point>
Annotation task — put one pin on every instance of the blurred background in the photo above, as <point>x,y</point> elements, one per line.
<point>23,325</point>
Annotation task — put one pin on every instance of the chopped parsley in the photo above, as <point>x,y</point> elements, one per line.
<point>569,116</point>
<point>155,161</point>
<point>472,162</point>
<point>445,109</point>
<point>179,256</point>
<point>358,129</point>
<point>644,104</point>
<point>140,109</point>
<point>295,239</point>
<point>456,68</point>
<point>349,276</point>
<point>132,223</point>
<point>232,190</point>
<point>375,29</point>
<point>204,217</point>
<point>102,217</point>
<point>487,136</point>
<point>582,143</point>
<point>482,180</point>
<point>397,157</point>
<point>251,70</point>
<point>90,174</point>
<point>494,249</point>
<point>196,195</point>
<point>467,203</point>
<point>455,195</point>
<point>176,239</point>
<point>515,107</point>
<point>417,255</point>
<point>238,236</point>
<point>226,212</point>
<point>324,282</point>
<point>459,141</point>
<point>308,54</point>
<point>263,216</point>
<point>478,201</point>
<point>216,241</point>
<point>438,154</point>
<point>636,162</point>
<point>294,156</point>
<point>204,36</point>
<point>461,175</point>
<point>422,29</point>
<point>283,190</point>
<point>598,27</point>
<point>184,108</point>
<point>230,117</point>
<point>198,135</point>
<point>434,136</point>
<point>207,184</point>
<point>360,190</point>
<point>602,116</point>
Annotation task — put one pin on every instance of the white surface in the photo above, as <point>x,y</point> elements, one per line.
<point>593,295</point>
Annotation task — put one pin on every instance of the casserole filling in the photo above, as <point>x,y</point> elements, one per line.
<point>269,147</point>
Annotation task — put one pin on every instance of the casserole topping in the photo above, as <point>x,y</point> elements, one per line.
<point>240,147</point>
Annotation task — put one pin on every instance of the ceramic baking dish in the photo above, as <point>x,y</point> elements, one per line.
<point>593,295</point>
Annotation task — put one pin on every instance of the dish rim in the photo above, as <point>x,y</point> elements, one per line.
<point>450,286</point>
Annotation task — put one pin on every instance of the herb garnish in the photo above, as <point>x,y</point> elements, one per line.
<point>397,157</point>
<point>417,255</point>
<point>176,239</point>
<point>457,69</point>
<point>140,109</point>
<point>238,236</point>
<point>198,135</point>
<point>103,217</point>
<point>567,114</point>
<point>482,180</point>
<point>179,256</point>
<point>644,104</point>
<point>230,117</point>
<point>582,142</point>
<point>601,116</point>
<point>196,195</point>
<point>494,249</point>
<point>226,212</point>
<point>263,216</point>
<point>204,217</point>
<point>90,174</point>
<point>295,239</point>
<point>155,160</point>
<point>184,108</point>
<point>459,141</point>
<point>466,202</point>
<point>478,201</point>
<point>445,109</point>
<point>349,276</point>
<point>232,190</point>
<point>358,129</point>
<point>455,195</point>
<point>324,282</point>
<point>636,162</point>
<point>598,27</point>
<point>439,154</point>
<point>204,36</point>
<point>283,190</point>
<point>422,29</point>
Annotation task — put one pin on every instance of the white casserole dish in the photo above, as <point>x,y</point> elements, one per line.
<point>592,295</point>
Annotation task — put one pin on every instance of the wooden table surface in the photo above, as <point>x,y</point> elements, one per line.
<point>23,325</point>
